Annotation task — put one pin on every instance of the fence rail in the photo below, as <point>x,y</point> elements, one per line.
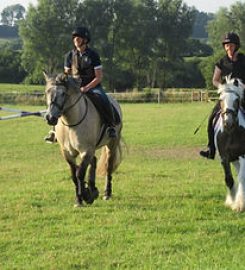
<point>168,96</point>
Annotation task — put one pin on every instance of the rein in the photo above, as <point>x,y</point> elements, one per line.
<point>83,117</point>
<point>69,107</point>
<point>64,110</point>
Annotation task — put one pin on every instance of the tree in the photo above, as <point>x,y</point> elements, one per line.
<point>10,68</point>
<point>12,14</point>
<point>199,30</point>
<point>140,38</point>
<point>174,26</point>
<point>46,35</point>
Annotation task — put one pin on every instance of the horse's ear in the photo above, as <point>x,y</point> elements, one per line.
<point>236,83</point>
<point>46,76</point>
<point>228,78</point>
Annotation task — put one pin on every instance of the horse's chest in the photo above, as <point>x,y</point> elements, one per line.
<point>231,144</point>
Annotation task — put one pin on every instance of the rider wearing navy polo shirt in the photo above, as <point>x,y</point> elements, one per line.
<point>84,64</point>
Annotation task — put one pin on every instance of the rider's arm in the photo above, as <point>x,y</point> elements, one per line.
<point>67,70</point>
<point>217,77</point>
<point>67,63</point>
<point>97,79</point>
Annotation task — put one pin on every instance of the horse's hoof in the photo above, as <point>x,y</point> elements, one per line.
<point>106,197</point>
<point>89,200</point>
<point>87,196</point>
<point>77,205</point>
<point>229,201</point>
<point>238,208</point>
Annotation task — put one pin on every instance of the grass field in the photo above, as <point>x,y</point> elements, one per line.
<point>167,211</point>
<point>20,88</point>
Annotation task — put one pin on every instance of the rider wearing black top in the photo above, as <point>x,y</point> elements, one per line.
<point>233,64</point>
<point>84,64</point>
<point>234,68</point>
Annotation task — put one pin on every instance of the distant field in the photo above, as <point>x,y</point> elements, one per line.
<point>3,41</point>
<point>167,211</point>
<point>20,88</point>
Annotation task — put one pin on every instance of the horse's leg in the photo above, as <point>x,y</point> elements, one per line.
<point>73,167</point>
<point>108,184</point>
<point>229,183</point>
<point>239,204</point>
<point>83,191</point>
<point>94,193</point>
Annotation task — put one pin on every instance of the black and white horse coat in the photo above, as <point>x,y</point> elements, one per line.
<point>230,141</point>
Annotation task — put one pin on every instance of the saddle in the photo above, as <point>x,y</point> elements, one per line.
<point>107,111</point>
<point>117,117</point>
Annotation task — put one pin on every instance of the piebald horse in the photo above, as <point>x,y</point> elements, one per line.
<point>79,132</point>
<point>230,141</point>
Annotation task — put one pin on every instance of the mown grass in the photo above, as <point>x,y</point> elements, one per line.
<point>20,88</point>
<point>167,211</point>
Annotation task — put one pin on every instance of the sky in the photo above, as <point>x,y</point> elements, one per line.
<point>201,5</point>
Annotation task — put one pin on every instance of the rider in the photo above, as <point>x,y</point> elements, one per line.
<point>233,63</point>
<point>84,63</point>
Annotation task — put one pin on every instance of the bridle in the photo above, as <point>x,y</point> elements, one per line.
<point>229,111</point>
<point>64,109</point>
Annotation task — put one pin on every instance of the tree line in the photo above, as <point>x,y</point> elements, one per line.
<point>143,44</point>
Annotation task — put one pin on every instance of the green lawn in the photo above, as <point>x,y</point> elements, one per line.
<point>167,210</point>
<point>20,88</point>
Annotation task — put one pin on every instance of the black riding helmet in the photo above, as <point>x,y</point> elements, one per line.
<point>231,37</point>
<point>82,32</point>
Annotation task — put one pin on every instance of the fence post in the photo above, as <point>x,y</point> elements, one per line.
<point>159,96</point>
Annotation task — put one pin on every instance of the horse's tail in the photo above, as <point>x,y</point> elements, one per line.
<point>115,155</point>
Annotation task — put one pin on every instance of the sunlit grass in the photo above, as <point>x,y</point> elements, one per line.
<point>167,210</point>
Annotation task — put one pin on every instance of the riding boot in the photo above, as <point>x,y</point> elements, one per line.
<point>210,152</point>
<point>104,107</point>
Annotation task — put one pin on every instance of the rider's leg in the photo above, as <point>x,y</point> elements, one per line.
<point>210,152</point>
<point>102,103</point>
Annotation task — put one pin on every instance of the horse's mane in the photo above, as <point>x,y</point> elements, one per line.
<point>68,81</point>
<point>232,85</point>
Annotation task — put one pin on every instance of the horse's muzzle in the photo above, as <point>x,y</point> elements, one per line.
<point>51,120</point>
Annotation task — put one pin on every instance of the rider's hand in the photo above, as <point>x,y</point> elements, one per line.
<point>84,89</point>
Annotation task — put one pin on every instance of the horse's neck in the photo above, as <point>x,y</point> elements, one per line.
<point>74,108</point>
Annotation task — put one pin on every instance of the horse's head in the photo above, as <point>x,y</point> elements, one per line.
<point>231,95</point>
<point>56,92</point>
